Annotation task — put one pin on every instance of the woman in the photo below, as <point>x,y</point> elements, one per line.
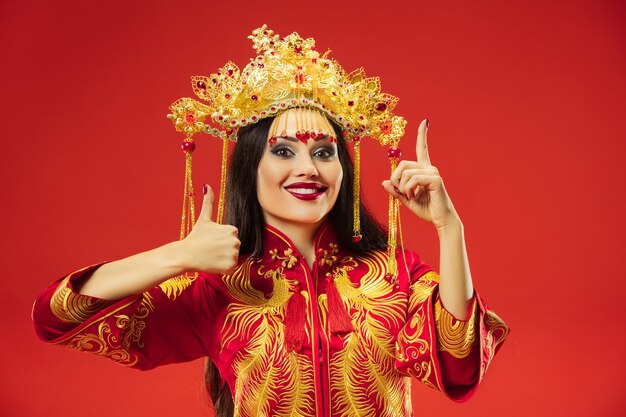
<point>296,316</point>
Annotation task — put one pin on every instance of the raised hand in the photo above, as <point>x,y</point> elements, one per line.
<point>418,185</point>
<point>210,247</point>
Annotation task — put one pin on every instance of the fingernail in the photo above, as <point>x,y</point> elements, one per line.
<point>427,123</point>
<point>205,189</point>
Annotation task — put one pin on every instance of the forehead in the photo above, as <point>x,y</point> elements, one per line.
<point>298,118</point>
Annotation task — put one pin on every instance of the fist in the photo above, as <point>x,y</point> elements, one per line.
<point>210,247</point>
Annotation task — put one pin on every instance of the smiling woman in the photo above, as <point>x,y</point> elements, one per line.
<point>301,302</point>
<point>299,179</point>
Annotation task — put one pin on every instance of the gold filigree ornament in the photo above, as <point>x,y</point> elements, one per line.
<point>289,73</point>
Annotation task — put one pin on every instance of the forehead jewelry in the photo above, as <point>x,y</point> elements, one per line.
<point>290,73</point>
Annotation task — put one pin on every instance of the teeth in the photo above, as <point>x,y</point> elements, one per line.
<point>304,190</point>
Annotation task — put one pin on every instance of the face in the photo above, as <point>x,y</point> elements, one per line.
<point>298,180</point>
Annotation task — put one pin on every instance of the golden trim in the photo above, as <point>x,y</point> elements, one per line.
<point>457,337</point>
<point>71,307</point>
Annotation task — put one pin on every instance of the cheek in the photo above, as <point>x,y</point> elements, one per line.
<point>269,177</point>
<point>337,173</point>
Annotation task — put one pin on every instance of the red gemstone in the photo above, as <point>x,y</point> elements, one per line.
<point>261,65</point>
<point>356,238</point>
<point>299,135</point>
<point>314,60</point>
<point>283,134</point>
<point>214,80</point>
<point>314,48</point>
<point>356,138</point>
<point>350,103</point>
<point>306,135</point>
<point>190,118</point>
<point>254,98</point>
<point>227,95</point>
<point>394,152</point>
<point>201,85</point>
<point>300,78</point>
<point>320,135</point>
<point>381,107</point>
<point>272,141</point>
<point>188,146</point>
<point>253,118</point>
<point>230,72</point>
<point>298,49</point>
<point>229,131</point>
<point>273,108</point>
<point>299,67</point>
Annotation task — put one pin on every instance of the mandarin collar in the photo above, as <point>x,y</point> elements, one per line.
<point>279,248</point>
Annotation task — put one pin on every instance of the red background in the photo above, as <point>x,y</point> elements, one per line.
<point>526,102</point>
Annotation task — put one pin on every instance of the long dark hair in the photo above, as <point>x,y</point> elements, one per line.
<point>244,212</point>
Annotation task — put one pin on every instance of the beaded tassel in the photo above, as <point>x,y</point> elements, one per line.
<point>188,217</point>
<point>222,202</point>
<point>394,209</point>
<point>356,198</point>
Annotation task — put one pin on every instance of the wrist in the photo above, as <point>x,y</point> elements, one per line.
<point>176,258</point>
<point>452,226</point>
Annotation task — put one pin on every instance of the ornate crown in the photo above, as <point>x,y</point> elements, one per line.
<point>288,72</point>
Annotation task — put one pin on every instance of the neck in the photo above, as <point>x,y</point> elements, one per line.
<point>301,235</point>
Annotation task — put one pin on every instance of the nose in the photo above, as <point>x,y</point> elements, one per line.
<point>306,167</point>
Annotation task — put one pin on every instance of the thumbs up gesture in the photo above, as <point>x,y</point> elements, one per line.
<point>210,247</point>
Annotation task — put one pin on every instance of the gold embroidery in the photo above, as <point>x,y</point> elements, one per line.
<point>329,256</point>
<point>288,261</point>
<point>106,343</point>
<point>174,287</point>
<point>422,289</point>
<point>72,307</point>
<point>497,332</point>
<point>366,364</point>
<point>454,336</point>
<point>264,369</point>
<point>411,344</point>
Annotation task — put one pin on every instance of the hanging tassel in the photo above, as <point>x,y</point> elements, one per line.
<point>295,318</point>
<point>188,217</point>
<point>338,319</point>
<point>222,202</point>
<point>392,265</point>
<point>356,197</point>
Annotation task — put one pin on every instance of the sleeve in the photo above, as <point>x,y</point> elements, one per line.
<point>173,322</point>
<point>444,353</point>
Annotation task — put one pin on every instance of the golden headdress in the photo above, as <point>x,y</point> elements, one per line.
<point>288,73</point>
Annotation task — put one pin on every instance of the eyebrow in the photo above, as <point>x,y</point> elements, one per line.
<point>293,139</point>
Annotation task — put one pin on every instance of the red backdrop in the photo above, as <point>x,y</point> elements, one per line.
<point>526,102</point>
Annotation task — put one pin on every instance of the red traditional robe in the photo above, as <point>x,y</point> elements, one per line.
<point>401,330</point>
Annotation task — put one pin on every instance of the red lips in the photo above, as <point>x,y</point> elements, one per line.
<point>306,190</point>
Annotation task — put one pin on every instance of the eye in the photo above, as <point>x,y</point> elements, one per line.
<point>282,151</point>
<point>324,152</point>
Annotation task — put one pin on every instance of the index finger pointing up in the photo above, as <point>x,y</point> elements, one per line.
<point>422,147</point>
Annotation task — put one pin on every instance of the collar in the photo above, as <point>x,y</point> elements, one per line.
<point>278,247</point>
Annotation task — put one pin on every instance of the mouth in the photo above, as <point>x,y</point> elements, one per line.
<point>306,190</point>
